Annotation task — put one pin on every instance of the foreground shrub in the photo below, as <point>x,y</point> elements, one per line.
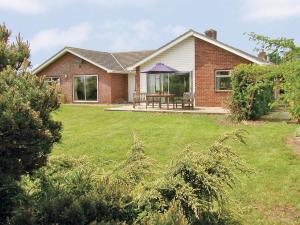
<point>9,194</point>
<point>71,191</point>
<point>173,216</point>
<point>136,167</point>
<point>192,190</point>
<point>27,131</point>
<point>197,182</point>
<point>252,92</point>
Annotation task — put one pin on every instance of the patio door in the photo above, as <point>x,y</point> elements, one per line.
<point>85,88</point>
<point>179,83</point>
<point>169,83</point>
<point>157,83</point>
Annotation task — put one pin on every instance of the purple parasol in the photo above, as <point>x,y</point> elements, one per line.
<point>160,68</point>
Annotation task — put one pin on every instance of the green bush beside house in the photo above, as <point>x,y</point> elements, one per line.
<point>252,92</point>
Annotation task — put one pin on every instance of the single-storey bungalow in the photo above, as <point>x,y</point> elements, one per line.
<point>203,64</point>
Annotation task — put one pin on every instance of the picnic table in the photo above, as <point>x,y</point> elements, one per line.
<point>157,97</point>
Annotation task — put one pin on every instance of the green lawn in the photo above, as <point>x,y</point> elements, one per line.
<point>270,196</point>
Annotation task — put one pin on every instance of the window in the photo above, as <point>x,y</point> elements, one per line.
<point>85,88</point>
<point>170,83</point>
<point>223,80</point>
<point>49,80</point>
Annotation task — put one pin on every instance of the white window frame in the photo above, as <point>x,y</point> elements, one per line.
<point>50,79</point>
<point>85,75</point>
<point>217,76</point>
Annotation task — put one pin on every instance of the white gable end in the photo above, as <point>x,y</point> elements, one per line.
<point>180,57</point>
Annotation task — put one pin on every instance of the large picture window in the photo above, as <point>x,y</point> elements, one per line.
<point>169,83</point>
<point>85,88</point>
<point>223,80</point>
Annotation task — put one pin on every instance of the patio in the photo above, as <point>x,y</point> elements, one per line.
<point>168,91</point>
<point>163,109</point>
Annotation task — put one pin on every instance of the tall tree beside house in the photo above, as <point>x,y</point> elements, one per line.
<point>27,131</point>
<point>279,50</point>
<point>286,55</point>
<point>12,53</point>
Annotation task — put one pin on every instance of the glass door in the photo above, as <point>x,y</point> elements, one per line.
<point>157,83</point>
<point>169,83</point>
<point>179,83</point>
<point>85,88</point>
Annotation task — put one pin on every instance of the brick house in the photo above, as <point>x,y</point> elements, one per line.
<point>203,64</point>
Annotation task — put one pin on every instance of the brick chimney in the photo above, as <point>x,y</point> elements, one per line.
<point>262,55</point>
<point>211,33</point>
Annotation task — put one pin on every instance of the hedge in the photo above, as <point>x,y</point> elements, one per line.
<point>252,92</point>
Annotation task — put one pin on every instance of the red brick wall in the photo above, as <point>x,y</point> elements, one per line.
<point>119,88</point>
<point>208,59</point>
<point>107,93</point>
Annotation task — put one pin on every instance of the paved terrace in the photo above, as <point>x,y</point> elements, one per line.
<point>156,109</point>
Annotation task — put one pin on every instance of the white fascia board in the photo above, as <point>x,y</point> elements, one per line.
<point>202,37</point>
<point>64,51</point>
<point>165,48</point>
<point>91,62</point>
<point>220,45</point>
<point>49,61</point>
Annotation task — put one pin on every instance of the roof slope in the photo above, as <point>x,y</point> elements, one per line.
<point>116,61</point>
<point>127,59</point>
<point>104,59</point>
<point>112,62</point>
<point>122,62</point>
<point>203,37</point>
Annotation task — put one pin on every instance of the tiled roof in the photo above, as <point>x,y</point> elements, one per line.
<point>115,61</point>
<point>127,59</point>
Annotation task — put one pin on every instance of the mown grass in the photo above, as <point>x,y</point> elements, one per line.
<point>269,196</point>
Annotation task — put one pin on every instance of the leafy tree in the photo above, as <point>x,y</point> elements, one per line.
<point>286,54</point>
<point>291,87</point>
<point>279,50</point>
<point>12,53</point>
<point>27,131</point>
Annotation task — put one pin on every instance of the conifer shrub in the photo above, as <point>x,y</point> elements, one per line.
<point>193,189</point>
<point>197,181</point>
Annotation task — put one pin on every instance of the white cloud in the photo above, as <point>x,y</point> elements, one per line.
<point>266,10</point>
<point>23,6</point>
<point>47,39</point>
<point>40,6</point>
<point>138,35</point>
<point>176,30</point>
<point>114,3</point>
<point>108,36</point>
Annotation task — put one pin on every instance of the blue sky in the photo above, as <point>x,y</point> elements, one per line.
<point>120,25</point>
